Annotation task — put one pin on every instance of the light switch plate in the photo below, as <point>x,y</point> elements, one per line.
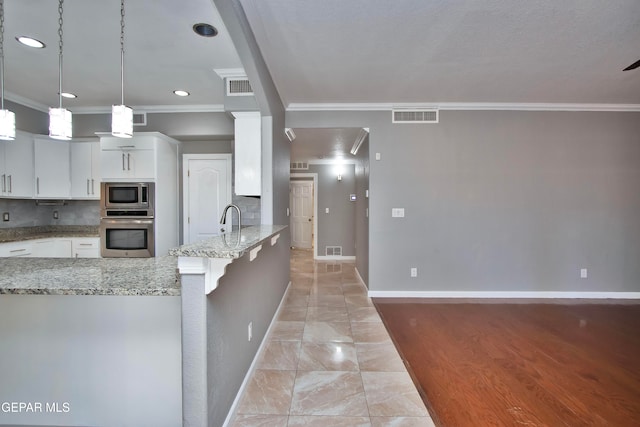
<point>326,210</point>
<point>397,212</point>
<point>378,156</point>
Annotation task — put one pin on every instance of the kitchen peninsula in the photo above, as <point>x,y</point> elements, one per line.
<point>131,342</point>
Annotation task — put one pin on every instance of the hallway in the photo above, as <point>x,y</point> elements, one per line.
<point>329,360</point>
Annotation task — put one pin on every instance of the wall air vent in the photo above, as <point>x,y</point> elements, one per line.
<point>297,166</point>
<point>139,119</point>
<point>415,115</point>
<point>238,86</point>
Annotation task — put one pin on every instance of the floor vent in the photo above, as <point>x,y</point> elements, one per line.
<point>139,119</point>
<point>415,116</point>
<point>298,166</point>
<point>333,250</point>
<point>238,87</point>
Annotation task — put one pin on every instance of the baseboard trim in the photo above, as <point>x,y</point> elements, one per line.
<point>505,295</point>
<point>335,258</point>
<point>234,406</point>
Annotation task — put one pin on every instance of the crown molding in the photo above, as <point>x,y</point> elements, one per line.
<point>26,102</point>
<point>465,106</point>
<point>230,72</point>
<point>213,108</point>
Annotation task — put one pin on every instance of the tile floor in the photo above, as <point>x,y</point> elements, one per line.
<point>329,360</point>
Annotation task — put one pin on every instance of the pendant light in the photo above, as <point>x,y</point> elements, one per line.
<point>7,118</point>
<point>60,126</point>
<point>121,115</point>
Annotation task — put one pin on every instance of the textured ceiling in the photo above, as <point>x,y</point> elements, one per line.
<point>162,53</point>
<point>430,51</point>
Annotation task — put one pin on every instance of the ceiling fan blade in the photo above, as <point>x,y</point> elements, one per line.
<point>633,66</point>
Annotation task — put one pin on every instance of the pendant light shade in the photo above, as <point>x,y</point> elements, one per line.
<point>60,125</point>
<point>121,115</point>
<point>7,118</point>
<point>122,121</point>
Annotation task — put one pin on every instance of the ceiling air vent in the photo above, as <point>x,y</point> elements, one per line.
<point>139,119</point>
<point>297,166</point>
<point>238,87</point>
<point>415,116</point>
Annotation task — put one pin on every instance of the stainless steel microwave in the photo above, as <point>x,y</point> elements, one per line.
<point>134,197</point>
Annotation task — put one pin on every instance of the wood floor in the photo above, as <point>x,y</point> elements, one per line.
<point>497,364</point>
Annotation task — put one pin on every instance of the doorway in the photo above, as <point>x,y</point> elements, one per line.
<point>302,206</point>
<point>206,190</point>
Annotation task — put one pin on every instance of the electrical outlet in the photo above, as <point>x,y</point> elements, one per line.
<point>5,216</point>
<point>326,210</point>
<point>414,272</point>
<point>250,331</point>
<point>583,273</point>
<point>55,215</point>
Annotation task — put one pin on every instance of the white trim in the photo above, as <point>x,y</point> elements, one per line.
<point>465,106</point>
<point>315,207</point>
<point>360,279</point>
<point>230,72</point>
<point>234,406</point>
<point>210,108</point>
<point>504,294</point>
<point>335,258</point>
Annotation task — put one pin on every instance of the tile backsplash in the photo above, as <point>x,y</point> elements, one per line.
<point>25,213</point>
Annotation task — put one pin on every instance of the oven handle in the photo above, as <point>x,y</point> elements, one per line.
<point>127,221</point>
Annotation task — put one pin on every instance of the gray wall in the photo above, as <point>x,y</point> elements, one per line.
<point>361,211</point>
<point>501,200</point>
<point>114,359</point>
<point>335,228</point>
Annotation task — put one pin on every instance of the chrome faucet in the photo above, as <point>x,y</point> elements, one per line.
<point>224,217</point>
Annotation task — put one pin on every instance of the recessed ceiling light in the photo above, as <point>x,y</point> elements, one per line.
<point>205,30</point>
<point>181,92</point>
<point>69,95</point>
<point>31,42</point>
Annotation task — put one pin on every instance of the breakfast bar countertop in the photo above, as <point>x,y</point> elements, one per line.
<point>233,244</point>
<point>90,276</point>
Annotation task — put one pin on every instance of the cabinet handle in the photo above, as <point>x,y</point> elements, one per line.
<point>18,250</point>
<point>123,161</point>
<point>88,192</point>
<point>10,185</point>
<point>128,161</point>
<point>38,185</point>
<point>92,187</point>
<point>4,183</point>
<point>86,244</point>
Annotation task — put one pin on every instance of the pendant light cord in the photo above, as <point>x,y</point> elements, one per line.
<point>2,53</point>
<point>122,52</point>
<point>60,10</point>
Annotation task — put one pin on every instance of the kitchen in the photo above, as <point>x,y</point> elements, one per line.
<point>104,335</point>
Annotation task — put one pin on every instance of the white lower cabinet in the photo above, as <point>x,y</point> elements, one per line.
<point>86,247</point>
<point>58,247</point>
<point>15,249</point>
<point>51,248</point>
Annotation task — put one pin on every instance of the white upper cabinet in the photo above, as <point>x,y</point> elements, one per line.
<point>128,159</point>
<point>248,153</point>
<point>16,167</point>
<point>52,172</point>
<point>85,170</point>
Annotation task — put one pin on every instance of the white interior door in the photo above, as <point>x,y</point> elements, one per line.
<point>207,190</point>
<point>301,201</point>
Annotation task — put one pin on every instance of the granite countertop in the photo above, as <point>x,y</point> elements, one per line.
<point>47,232</point>
<point>90,276</point>
<point>233,244</point>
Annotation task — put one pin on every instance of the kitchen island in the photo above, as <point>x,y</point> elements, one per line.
<point>232,286</point>
<point>89,342</point>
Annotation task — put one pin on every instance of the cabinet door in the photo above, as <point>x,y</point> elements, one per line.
<point>86,247</point>
<point>19,167</point>
<point>3,172</point>
<point>15,249</point>
<point>248,154</point>
<point>83,179</point>
<point>129,164</point>
<point>52,170</point>
<point>51,248</point>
